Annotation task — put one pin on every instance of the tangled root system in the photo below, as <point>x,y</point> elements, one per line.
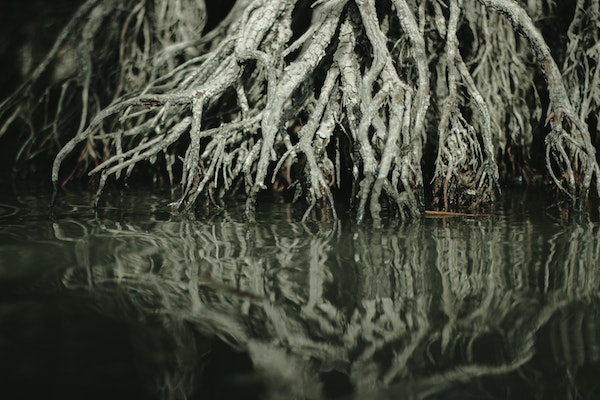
<point>323,100</point>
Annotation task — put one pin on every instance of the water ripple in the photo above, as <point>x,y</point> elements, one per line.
<point>8,210</point>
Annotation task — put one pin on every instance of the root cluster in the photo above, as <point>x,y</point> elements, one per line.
<point>321,100</point>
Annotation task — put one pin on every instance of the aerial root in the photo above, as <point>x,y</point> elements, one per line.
<point>343,107</point>
<point>462,166</point>
<point>569,140</point>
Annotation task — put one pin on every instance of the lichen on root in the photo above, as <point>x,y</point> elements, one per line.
<point>342,106</point>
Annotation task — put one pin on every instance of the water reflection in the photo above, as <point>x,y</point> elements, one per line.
<point>439,308</point>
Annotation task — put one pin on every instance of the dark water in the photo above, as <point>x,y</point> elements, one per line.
<point>135,303</point>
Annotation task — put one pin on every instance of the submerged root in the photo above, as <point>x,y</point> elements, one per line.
<point>339,107</point>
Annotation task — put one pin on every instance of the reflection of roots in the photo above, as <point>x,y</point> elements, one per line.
<point>344,100</point>
<point>293,301</point>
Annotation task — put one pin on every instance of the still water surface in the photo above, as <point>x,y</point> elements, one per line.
<point>133,302</point>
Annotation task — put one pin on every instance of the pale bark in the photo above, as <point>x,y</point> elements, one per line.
<point>347,107</point>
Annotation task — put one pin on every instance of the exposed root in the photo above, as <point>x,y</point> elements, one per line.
<point>341,105</point>
<point>569,141</point>
<point>462,171</point>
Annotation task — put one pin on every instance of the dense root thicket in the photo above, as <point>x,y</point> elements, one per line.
<point>319,99</point>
